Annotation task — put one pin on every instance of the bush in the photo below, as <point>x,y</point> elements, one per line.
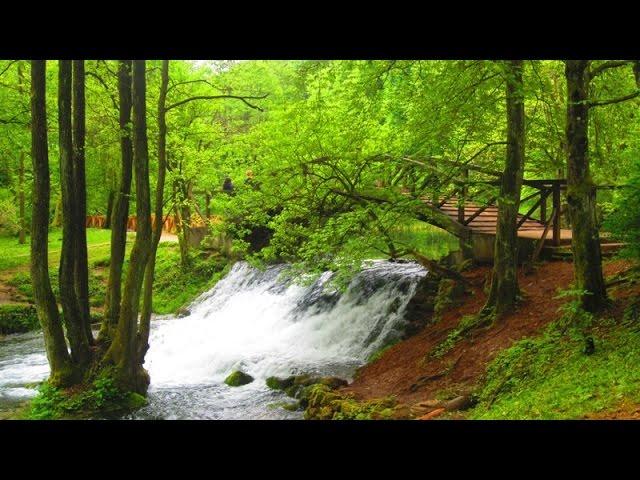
<point>624,221</point>
<point>9,218</point>
<point>17,318</point>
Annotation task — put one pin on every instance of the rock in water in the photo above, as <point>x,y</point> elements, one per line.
<point>238,378</point>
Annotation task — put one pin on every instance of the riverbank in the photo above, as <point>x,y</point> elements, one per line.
<point>174,287</point>
<point>530,365</point>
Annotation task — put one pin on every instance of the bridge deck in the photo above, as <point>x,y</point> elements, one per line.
<point>486,222</point>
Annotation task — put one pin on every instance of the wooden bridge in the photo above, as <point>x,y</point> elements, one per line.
<point>542,233</point>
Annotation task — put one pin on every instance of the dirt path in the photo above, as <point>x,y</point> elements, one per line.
<point>406,369</point>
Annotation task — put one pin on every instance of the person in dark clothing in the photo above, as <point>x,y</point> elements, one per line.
<point>227,186</point>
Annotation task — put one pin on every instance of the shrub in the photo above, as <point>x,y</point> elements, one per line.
<point>18,318</point>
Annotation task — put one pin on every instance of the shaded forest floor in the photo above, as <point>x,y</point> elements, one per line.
<point>418,379</point>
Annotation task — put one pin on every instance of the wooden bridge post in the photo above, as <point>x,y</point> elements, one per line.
<point>556,218</point>
<point>543,205</point>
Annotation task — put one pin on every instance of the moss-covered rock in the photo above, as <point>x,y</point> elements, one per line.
<point>238,378</point>
<point>18,318</point>
<point>276,383</point>
<point>295,385</point>
<point>326,404</point>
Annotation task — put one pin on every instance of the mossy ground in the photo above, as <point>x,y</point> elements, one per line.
<point>100,398</point>
<point>327,404</point>
<point>552,377</point>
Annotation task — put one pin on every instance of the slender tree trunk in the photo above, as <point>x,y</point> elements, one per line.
<point>57,213</point>
<point>147,300</point>
<point>581,191</point>
<point>110,201</point>
<point>80,264</point>
<point>121,208</point>
<point>123,349</point>
<point>59,360</point>
<point>23,224</point>
<point>22,234</point>
<point>76,335</point>
<point>504,285</point>
<point>183,225</point>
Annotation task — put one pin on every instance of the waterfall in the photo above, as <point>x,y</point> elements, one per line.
<point>259,323</point>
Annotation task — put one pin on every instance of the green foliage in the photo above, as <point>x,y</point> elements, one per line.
<point>175,287</point>
<point>465,324</point>
<point>18,318</point>
<point>101,397</point>
<point>9,219</point>
<point>549,377</point>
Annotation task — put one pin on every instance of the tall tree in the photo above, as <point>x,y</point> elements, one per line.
<point>62,372</point>
<point>21,208</point>
<point>504,285</point>
<point>80,254</point>
<point>123,350</point>
<point>76,333</point>
<point>147,300</point>
<point>121,209</point>
<point>581,190</point>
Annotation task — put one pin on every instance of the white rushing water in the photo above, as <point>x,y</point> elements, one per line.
<point>252,321</point>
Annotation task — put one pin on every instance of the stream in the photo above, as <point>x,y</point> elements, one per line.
<point>254,321</point>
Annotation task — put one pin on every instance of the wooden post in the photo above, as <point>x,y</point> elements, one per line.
<point>463,195</point>
<point>543,205</point>
<point>556,218</point>
<point>207,205</point>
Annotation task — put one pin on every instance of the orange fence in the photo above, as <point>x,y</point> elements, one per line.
<point>170,223</point>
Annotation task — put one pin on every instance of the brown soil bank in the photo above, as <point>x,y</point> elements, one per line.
<point>408,371</point>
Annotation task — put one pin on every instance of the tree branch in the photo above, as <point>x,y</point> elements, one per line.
<point>613,100</point>
<point>606,66</point>
<point>215,97</point>
<point>106,87</point>
<point>192,81</point>
<point>7,67</point>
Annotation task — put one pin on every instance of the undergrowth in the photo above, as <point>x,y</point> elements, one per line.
<point>579,365</point>
<point>101,398</point>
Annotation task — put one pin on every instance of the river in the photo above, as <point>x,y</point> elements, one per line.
<point>254,321</point>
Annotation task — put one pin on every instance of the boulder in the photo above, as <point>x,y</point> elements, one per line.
<point>238,378</point>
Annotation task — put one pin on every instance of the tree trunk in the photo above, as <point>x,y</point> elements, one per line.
<point>59,360</point>
<point>121,209</point>
<point>123,352</point>
<point>76,335</point>
<point>22,234</point>
<point>57,213</point>
<point>504,284</point>
<point>80,264</point>
<point>581,191</point>
<point>110,201</point>
<point>184,221</point>
<point>147,300</point>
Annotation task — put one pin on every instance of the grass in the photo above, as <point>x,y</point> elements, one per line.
<point>174,287</point>
<point>550,377</point>
<point>16,256</point>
